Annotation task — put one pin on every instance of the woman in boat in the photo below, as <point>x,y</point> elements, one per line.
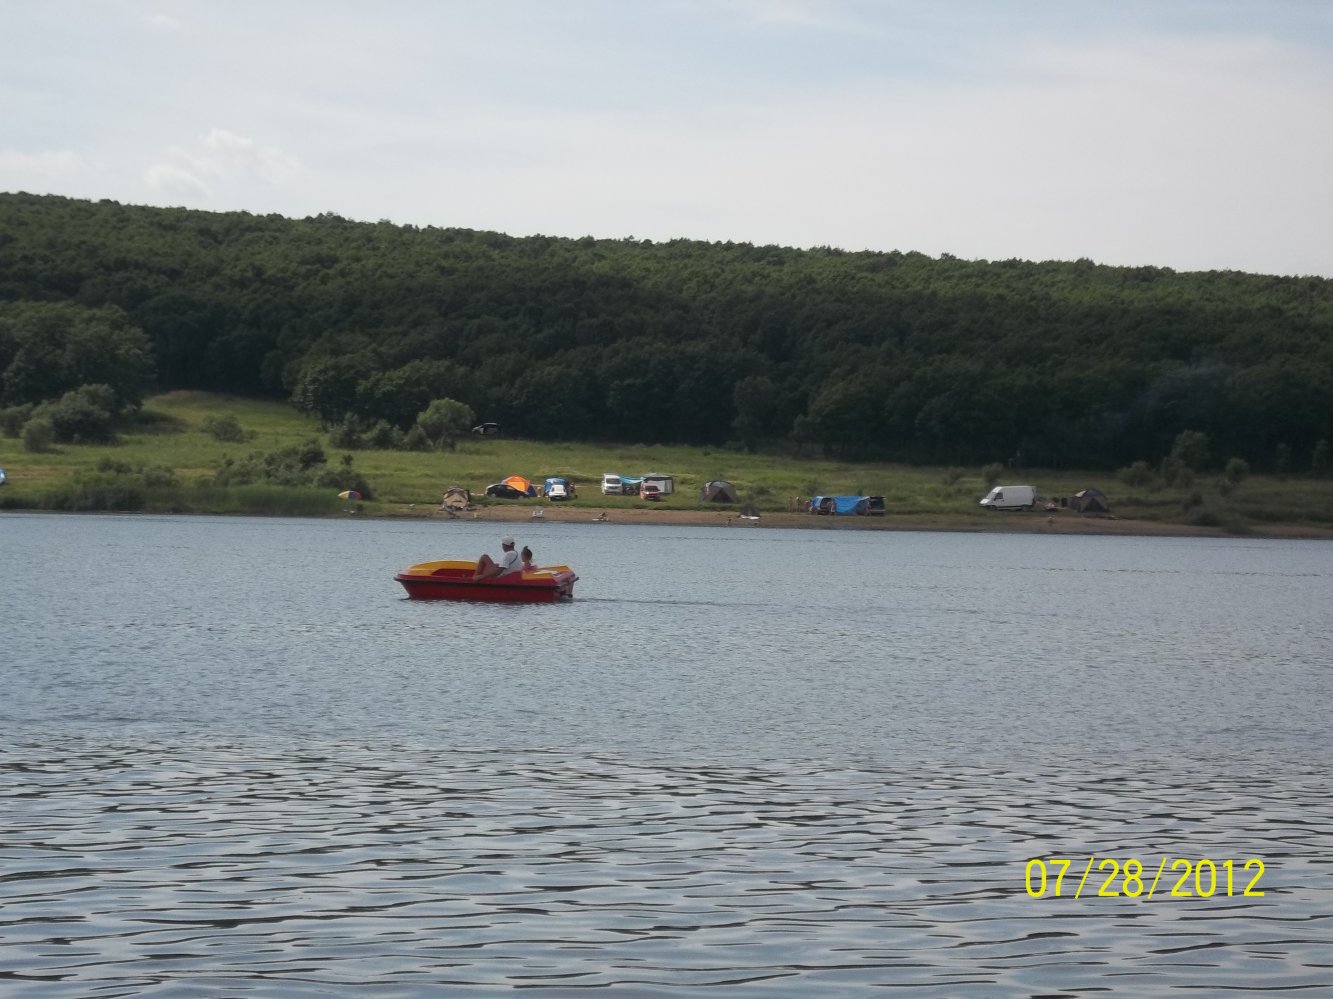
<point>526,563</point>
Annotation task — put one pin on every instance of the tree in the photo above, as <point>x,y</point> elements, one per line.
<point>444,421</point>
<point>1190,450</point>
<point>327,386</point>
<point>755,398</point>
<point>47,349</point>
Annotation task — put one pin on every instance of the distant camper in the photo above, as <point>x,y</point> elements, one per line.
<point>666,484</point>
<point>1010,498</point>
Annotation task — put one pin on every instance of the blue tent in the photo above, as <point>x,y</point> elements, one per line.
<point>842,506</point>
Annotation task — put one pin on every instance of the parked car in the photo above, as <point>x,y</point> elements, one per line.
<point>611,484</point>
<point>3,477</point>
<point>650,491</point>
<point>486,429</point>
<point>504,491</point>
<point>558,488</point>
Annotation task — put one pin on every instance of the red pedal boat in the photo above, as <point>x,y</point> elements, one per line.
<point>451,579</point>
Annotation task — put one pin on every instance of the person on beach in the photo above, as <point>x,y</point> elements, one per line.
<point>489,568</point>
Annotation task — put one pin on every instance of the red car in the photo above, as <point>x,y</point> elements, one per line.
<point>650,492</point>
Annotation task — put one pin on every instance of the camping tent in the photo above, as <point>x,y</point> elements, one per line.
<point>842,506</point>
<point>558,487</point>
<point>456,498</point>
<point>1089,501</point>
<point>719,491</point>
<point>665,483</point>
<point>521,484</point>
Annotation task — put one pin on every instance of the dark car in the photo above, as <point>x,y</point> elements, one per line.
<point>504,490</point>
<point>486,429</point>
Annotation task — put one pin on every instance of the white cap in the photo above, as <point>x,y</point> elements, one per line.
<point>506,540</point>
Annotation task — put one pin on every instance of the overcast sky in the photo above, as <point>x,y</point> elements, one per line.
<point>1194,134</point>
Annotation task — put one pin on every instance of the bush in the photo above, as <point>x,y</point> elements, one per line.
<point>38,434</point>
<point>85,415</point>
<point>97,492</point>
<point>1138,474</point>
<point>347,434</point>
<point>385,437</point>
<point>158,476</point>
<point>416,440</point>
<point>301,466</point>
<point>12,419</point>
<point>1236,471</point>
<point>225,428</point>
<point>992,473</point>
<point>1176,473</point>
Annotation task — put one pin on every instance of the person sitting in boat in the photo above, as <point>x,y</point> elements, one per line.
<point>526,560</point>
<point>489,568</point>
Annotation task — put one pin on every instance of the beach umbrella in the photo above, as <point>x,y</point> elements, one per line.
<point>349,494</point>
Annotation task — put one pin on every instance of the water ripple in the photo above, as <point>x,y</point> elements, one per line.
<point>207,870</point>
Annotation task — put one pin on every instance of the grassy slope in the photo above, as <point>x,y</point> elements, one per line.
<point>915,496</point>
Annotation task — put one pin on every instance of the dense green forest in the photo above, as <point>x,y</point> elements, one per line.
<point>885,355</point>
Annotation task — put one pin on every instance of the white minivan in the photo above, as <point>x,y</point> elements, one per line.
<point>611,484</point>
<point>1010,498</point>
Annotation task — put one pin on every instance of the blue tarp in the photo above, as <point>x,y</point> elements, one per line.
<point>843,506</point>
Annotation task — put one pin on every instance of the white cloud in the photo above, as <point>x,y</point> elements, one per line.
<point>222,161</point>
<point>172,179</point>
<point>54,164</point>
<point>233,154</point>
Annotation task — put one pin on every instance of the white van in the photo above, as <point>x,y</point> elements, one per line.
<point>611,484</point>
<point>1010,498</point>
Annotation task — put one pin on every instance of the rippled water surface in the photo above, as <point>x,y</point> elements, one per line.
<point>235,761</point>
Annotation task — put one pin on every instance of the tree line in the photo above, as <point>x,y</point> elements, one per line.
<point>884,355</point>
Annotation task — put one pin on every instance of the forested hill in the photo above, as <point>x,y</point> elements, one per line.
<point>888,355</point>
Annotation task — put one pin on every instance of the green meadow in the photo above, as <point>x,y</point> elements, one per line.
<point>166,462</point>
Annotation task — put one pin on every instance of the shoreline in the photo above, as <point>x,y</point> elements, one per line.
<point>1061,523</point>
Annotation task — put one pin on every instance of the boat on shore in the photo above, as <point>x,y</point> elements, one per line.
<point>452,579</point>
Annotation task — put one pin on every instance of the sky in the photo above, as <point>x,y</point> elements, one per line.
<point>1191,134</point>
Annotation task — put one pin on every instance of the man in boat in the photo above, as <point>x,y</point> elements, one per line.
<point>489,568</point>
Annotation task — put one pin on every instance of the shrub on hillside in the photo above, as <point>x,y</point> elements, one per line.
<point>225,428</point>
<point>12,419</point>
<point>85,415</point>
<point>298,465</point>
<point>38,435</point>
<point>1138,474</point>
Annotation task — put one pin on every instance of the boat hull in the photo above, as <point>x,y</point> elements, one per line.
<point>452,580</point>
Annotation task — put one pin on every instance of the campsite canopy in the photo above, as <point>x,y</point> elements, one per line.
<point>719,491</point>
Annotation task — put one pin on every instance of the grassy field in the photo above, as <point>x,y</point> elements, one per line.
<point>172,461</point>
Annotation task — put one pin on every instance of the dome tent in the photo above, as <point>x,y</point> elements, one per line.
<point>1089,501</point>
<point>719,491</point>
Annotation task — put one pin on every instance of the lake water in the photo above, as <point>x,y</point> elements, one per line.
<point>234,760</point>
